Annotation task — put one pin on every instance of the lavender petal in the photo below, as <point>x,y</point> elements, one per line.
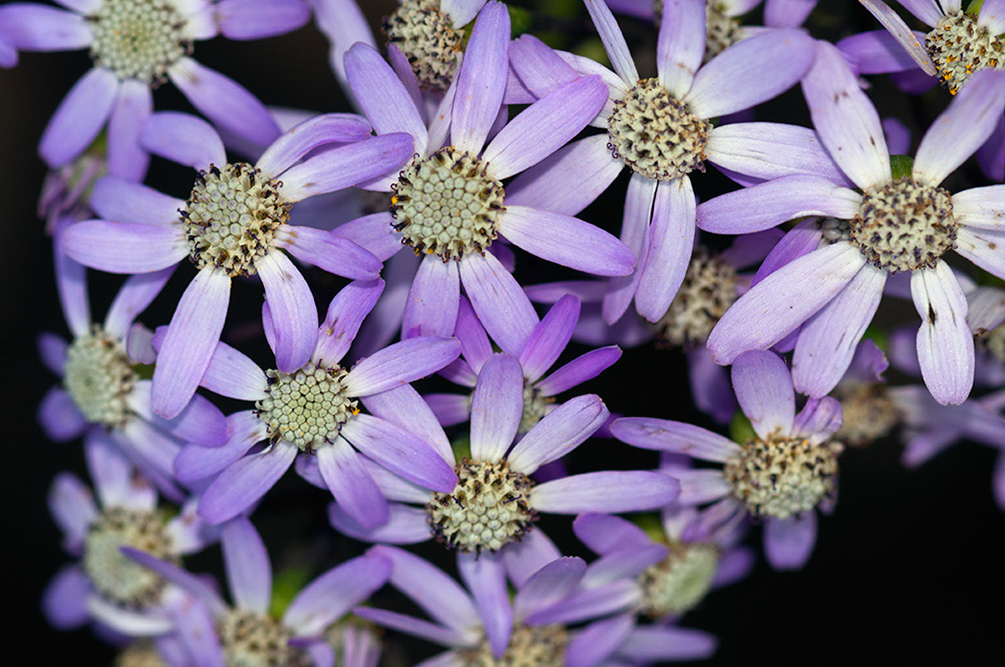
<point>609,492</point>
<point>79,117</point>
<point>184,139</point>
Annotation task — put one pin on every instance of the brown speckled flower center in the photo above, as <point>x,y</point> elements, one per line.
<point>656,135</point>
<point>427,37</point>
<point>537,646</point>
<point>782,477</point>
<point>904,225</point>
<point>488,509</point>
<point>958,47</point>
<point>231,218</point>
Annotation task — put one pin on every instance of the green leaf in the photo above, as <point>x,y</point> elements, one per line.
<point>901,165</point>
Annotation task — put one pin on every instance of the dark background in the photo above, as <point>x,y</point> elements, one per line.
<point>909,568</point>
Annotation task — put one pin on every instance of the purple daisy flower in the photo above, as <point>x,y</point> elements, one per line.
<point>312,412</point>
<point>455,230</point>
<point>135,46</point>
<point>102,395</point>
<point>104,586</point>
<point>714,280</point>
<point>779,476</point>
<point>894,225</point>
<point>930,428</point>
<point>537,355</point>
<point>485,624</point>
<point>869,406</point>
<point>675,566</point>
<point>495,502</point>
<point>235,222</point>
<point>218,635</point>
<point>723,26</point>
<point>675,109</point>
<point>959,44</point>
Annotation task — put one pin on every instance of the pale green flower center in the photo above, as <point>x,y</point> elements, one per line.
<point>488,509</point>
<point>231,218</point>
<point>307,408</point>
<point>679,582</point>
<point>447,204</point>
<point>99,378</point>
<point>138,39</point>
<point>117,578</point>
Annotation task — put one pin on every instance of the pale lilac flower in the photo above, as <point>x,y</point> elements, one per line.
<point>144,230</point>
<point>722,17</point>
<point>454,233</point>
<point>714,280</point>
<point>674,111</point>
<point>102,395</point>
<point>547,341</point>
<point>677,564</point>
<point>135,46</point>
<point>217,634</point>
<point>105,587</point>
<point>960,43</point>
<point>780,476</point>
<point>311,413</point>
<point>835,290</point>
<point>496,502</point>
<point>929,428</point>
<point>482,621</point>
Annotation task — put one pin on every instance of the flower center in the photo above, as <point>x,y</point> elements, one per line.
<point>708,290</point>
<point>781,477</point>
<point>959,47</point>
<point>904,225</point>
<point>426,36</point>
<point>869,413</point>
<point>994,342</point>
<point>114,576</point>
<point>529,646</point>
<point>447,204</point>
<point>231,218</point>
<point>138,39</point>
<point>721,31</point>
<point>656,135</point>
<point>306,408</point>
<point>535,407</point>
<point>680,581</point>
<point>141,653</point>
<point>99,378</point>
<point>252,640</point>
<point>487,509</point>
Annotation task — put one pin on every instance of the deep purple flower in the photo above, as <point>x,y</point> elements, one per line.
<point>312,412</point>
<point>217,634</point>
<point>234,223</point>
<point>538,353</point>
<point>454,232</point>
<point>780,475</point>
<point>104,586</point>
<point>135,46</point>
<point>675,109</point>
<point>495,502</point>
<point>484,623</point>
<point>894,225</point>
<point>102,395</point>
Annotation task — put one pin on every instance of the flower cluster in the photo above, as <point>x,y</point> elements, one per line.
<point>458,223</point>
